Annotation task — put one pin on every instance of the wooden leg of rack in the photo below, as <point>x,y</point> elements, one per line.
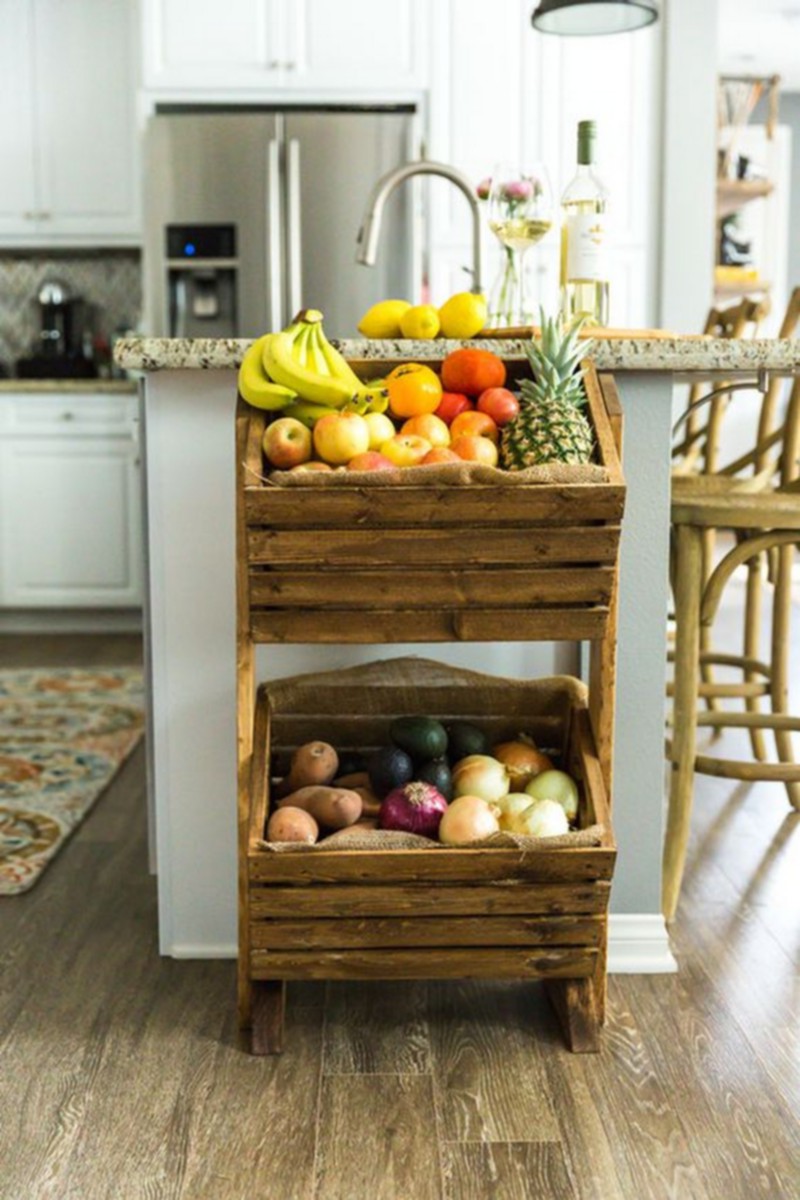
<point>575,1006</point>
<point>269,1008</point>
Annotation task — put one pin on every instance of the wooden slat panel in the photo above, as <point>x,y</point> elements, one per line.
<point>467,506</point>
<point>434,588</point>
<point>438,547</point>
<point>344,932</point>
<point>399,900</point>
<point>460,625</point>
<point>568,865</point>
<point>469,963</point>
<point>606,444</point>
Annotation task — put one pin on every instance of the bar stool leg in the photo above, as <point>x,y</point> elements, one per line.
<point>751,647</point>
<point>779,681</point>
<point>688,589</point>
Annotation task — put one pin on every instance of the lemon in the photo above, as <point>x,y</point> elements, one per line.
<point>383,319</point>
<point>420,322</point>
<point>463,315</point>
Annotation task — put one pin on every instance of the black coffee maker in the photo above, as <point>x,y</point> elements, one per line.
<point>63,330</point>
<point>57,319</point>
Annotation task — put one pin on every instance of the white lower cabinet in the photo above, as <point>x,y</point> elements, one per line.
<point>70,502</point>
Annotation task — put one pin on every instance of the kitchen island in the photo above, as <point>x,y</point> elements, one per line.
<point>189,394</point>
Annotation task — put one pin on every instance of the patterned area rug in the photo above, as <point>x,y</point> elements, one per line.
<point>63,736</point>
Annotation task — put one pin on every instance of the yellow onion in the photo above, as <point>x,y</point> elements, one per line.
<point>510,805</point>
<point>466,820</point>
<point>558,786</point>
<point>480,775</point>
<point>522,760</point>
<point>542,818</point>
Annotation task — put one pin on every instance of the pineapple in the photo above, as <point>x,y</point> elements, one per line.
<point>550,426</point>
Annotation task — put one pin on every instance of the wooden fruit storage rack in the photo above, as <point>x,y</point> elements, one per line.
<point>433,563</point>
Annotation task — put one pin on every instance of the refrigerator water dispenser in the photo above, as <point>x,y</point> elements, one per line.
<point>202,272</point>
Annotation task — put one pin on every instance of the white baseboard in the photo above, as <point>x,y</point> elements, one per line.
<point>70,620</point>
<point>638,944</point>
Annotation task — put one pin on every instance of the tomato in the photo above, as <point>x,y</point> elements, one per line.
<point>413,389</point>
<point>451,404</point>
<point>500,404</point>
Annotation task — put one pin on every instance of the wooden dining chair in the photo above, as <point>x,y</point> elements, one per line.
<point>766,521</point>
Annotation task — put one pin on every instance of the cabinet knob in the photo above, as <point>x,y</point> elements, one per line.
<point>68,416</point>
<point>275,65</point>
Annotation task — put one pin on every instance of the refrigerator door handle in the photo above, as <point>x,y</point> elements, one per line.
<point>274,262</point>
<point>295,253</point>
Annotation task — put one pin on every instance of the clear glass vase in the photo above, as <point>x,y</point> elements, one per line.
<point>508,303</point>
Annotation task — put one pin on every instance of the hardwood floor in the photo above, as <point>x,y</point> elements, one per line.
<point>122,1077</point>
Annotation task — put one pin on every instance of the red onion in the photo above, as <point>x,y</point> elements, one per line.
<point>413,808</point>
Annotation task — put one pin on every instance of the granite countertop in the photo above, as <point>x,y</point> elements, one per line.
<point>679,355</point>
<point>70,386</point>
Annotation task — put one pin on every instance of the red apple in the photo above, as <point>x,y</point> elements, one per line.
<point>286,443</point>
<point>371,460</point>
<point>451,404</point>
<point>500,404</point>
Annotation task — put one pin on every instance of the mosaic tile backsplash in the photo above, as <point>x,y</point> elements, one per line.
<point>109,282</point>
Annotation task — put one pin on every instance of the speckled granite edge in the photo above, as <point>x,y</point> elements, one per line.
<point>70,386</point>
<point>624,354</point>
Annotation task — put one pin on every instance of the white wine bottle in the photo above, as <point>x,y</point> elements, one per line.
<point>584,252</point>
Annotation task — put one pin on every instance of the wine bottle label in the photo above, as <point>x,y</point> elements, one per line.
<point>586,247</point>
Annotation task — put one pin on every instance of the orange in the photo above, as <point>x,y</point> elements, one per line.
<point>474,424</point>
<point>429,426</point>
<point>413,389</point>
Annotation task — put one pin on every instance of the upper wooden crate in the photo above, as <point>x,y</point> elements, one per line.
<point>428,563</point>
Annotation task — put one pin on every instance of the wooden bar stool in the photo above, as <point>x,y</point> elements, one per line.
<point>752,471</point>
<point>763,522</point>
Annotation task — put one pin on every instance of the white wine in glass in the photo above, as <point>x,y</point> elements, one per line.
<point>520,214</point>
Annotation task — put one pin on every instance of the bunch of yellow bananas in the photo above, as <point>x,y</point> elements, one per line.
<point>300,372</point>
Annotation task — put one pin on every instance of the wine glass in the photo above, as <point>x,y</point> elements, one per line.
<point>520,214</point>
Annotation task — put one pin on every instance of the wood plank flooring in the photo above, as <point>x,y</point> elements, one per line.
<point>122,1076</point>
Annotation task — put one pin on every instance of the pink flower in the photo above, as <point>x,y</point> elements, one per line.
<point>518,189</point>
<point>483,188</point>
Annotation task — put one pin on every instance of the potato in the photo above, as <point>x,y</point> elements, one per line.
<point>355,780</point>
<point>371,805</point>
<point>313,762</point>
<point>333,807</point>
<point>290,824</point>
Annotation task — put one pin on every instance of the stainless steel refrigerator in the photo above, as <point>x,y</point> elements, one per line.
<point>253,215</point>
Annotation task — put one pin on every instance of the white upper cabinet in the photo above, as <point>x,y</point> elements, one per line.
<point>67,123</point>
<point>18,195</point>
<point>236,46</point>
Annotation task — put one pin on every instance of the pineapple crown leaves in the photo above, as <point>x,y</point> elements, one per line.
<point>554,359</point>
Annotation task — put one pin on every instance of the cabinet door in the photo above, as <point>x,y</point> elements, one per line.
<point>213,44</point>
<point>85,91</point>
<point>357,44</point>
<point>70,535</point>
<point>17,179</point>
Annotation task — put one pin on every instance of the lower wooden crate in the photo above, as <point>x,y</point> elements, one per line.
<point>510,913</point>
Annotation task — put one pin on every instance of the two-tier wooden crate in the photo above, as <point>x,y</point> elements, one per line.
<point>428,563</point>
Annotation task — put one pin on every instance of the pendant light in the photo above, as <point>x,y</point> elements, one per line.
<point>592,17</point>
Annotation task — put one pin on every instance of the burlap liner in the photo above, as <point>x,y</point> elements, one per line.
<point>385,839</point>
<point>457,474</point>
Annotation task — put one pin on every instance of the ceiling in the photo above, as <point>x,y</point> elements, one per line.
<point>761,37</point>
